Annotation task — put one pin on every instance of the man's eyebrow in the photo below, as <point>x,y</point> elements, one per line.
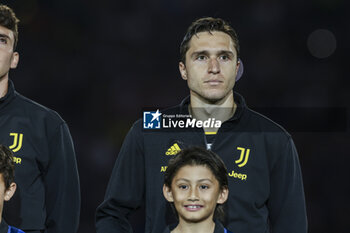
<point>226,52</point>
<point>202,52</point>
<point>4,35</point>
<point>206,52</point>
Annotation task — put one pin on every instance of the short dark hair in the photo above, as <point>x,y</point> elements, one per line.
<point>7,165</point>
<point>198,156</point>
<point>9,20</point>
<point>207,24</point>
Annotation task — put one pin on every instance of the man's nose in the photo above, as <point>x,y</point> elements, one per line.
<point>213,66</point>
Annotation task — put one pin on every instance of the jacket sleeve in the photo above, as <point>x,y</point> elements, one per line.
<point>62,184</point>
<point>125,191</point>
<point>287,212</point>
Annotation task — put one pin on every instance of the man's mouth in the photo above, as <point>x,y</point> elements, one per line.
<point>213,82</point>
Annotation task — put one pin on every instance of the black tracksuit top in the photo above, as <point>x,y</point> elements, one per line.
<point>48,194</point>
<point>265,183</point>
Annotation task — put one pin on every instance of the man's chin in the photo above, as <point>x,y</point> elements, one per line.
<point>214,97</point>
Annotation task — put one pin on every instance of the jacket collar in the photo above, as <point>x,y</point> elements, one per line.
<point>3,226</point>
<point>219,228</point>
<point>11,93</point>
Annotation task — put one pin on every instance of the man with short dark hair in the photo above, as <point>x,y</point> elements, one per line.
<point>265,183</point>
<point>48,194</point>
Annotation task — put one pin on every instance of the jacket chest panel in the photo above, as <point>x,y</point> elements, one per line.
<point>17,134</point>
<point>243,153</point>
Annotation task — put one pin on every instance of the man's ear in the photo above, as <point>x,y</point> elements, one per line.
<point>14,60</point>
<point>10,191</point>
<point>223,195</point>
<point>183,71</point>
<point>237,66</point>
<point>167,193</point>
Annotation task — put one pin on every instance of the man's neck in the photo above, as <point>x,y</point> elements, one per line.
<point>221,110</point>
<point>206,226</point>
<point>4,83</point>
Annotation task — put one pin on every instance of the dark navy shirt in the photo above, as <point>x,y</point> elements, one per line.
<point>4,228</point>
<point>219,228</point>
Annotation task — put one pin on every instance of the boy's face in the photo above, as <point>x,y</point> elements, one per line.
<point>5,194</point>
<point>195,192</point>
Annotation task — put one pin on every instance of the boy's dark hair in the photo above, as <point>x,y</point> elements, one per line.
<point>9,20</point>
<point>7,165</point>
<point>207,24</point>
<point>197,156</point>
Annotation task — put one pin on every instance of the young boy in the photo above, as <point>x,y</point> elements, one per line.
<point>195,183</point>
<point>7,186</point>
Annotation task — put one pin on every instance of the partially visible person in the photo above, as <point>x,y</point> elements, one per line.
<point>7,186</point>
<point>196,185</point>
<point>48,194</point>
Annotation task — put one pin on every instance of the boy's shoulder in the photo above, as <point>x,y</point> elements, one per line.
<point>219,228</point>
<point>14,230</point>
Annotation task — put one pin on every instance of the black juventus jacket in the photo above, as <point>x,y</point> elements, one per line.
<point>48,194</point>
<point>265,183</point>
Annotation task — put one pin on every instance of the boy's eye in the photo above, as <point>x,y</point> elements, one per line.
<point>204,187</point>
<point>183,187</point>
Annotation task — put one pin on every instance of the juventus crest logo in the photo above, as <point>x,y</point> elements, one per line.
<point>243,159</point>
<point>17,141</point>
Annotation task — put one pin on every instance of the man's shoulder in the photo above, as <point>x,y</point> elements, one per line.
<point>261,123</point>
<point>39,111</point>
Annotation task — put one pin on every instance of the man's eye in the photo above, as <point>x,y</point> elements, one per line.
<point>224,57</point>
<point>201,57</point>
<point>3,40</point>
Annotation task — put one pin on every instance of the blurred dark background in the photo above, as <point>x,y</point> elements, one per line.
<point>98,63</point>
